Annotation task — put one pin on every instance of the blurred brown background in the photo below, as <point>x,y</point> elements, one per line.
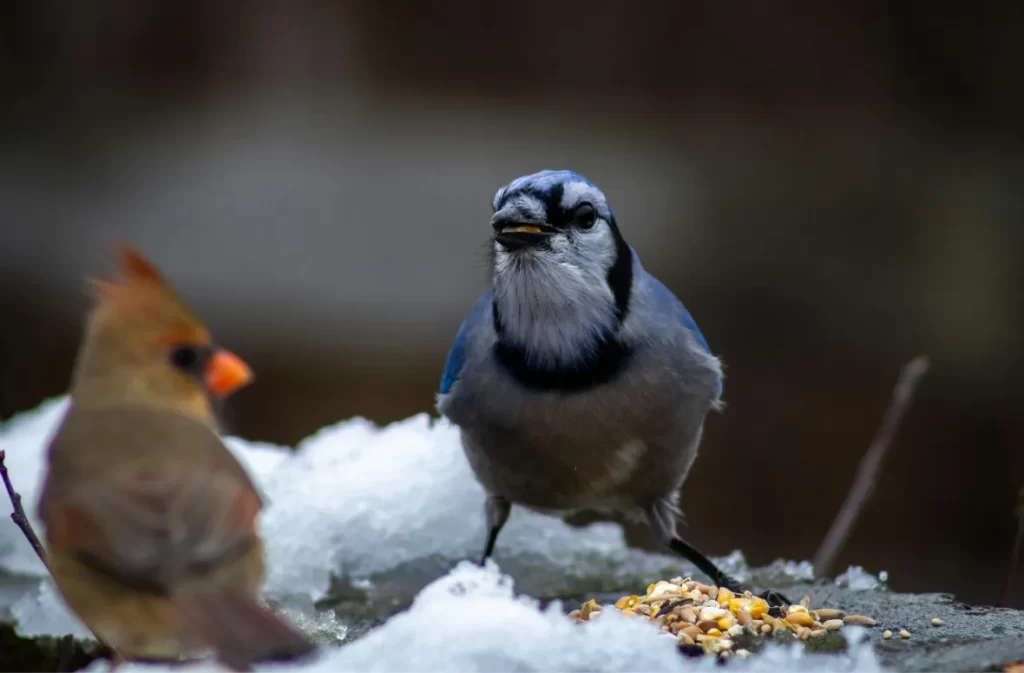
<point>832,188</point>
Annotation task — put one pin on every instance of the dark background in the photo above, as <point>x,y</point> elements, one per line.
<point>832,188</point>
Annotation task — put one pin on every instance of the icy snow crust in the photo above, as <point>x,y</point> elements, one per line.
<point>399,507</point>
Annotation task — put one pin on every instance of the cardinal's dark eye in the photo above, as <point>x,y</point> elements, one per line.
<point>585,216</point>
<point>189,359</point>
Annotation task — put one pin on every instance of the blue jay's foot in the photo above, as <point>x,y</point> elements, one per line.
<point>661,517</point>
<point>774,599</point>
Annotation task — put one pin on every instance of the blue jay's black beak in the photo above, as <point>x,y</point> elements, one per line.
<point>516,235</point>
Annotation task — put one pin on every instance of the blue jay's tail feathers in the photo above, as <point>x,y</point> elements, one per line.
<point>718,404</point>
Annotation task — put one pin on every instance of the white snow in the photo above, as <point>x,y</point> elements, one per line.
<point>389,510</point>
<point>858,579</point>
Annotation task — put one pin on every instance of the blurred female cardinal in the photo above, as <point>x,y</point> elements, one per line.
<point>150,521</point>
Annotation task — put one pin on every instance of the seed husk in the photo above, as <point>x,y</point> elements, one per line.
<point>693,631</point>
<point>799,618</point>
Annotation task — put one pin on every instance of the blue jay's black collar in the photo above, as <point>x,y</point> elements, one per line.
<point>601,365</point>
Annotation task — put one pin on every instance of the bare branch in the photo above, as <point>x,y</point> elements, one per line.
<point>18,515</point>
<point>837,535</point>
<point>19,518</point>
<point>1004,600</point>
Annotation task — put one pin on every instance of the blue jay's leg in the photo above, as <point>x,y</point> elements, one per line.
<point>497,509</point>
<point>662,517</point>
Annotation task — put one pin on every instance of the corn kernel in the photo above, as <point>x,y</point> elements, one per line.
<point>714,633</point>
<point>737,604</point>
<point>759,608</point>
<point>724,595</point>
<point>626,602</point>
<point>725,622</point>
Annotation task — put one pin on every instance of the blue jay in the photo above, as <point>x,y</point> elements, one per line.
<point>578,380</point>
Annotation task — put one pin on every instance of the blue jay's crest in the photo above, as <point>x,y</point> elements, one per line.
<point>549,196</point>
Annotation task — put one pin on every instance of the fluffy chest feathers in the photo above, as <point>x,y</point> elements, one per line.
<point>555,310</point>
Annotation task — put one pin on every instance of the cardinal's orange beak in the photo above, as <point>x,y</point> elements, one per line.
<point>226,373</point>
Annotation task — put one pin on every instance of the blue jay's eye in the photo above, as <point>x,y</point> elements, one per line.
<point>585,216</point>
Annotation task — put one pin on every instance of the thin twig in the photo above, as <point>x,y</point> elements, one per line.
<point>902,395</point>
<point>1004,600</point>
<point>18,515</point>
<point>20,520</point>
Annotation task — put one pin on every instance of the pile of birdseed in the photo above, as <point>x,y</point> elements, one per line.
<point>709,620</point>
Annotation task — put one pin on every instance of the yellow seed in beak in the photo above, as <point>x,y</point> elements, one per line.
<point>521,229</point>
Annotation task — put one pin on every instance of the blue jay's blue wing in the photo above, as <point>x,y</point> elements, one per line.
<point>668,302</point>
<point>457,354</point>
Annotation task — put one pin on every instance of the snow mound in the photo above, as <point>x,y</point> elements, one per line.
<point>392,506</point>
<point>363,502</point>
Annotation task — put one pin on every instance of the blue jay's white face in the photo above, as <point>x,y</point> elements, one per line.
<point>555,242</point>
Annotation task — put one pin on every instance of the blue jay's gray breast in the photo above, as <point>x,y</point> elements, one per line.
<point>618,445</point>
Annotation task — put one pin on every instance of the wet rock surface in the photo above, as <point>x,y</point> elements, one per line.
<point>970,638</point>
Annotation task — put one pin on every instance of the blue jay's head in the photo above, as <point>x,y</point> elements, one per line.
<point>562,271</point>
<point>555,217</point>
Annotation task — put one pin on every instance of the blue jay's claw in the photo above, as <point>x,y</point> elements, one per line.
<point>774,598</point>
<point>718,576</point>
